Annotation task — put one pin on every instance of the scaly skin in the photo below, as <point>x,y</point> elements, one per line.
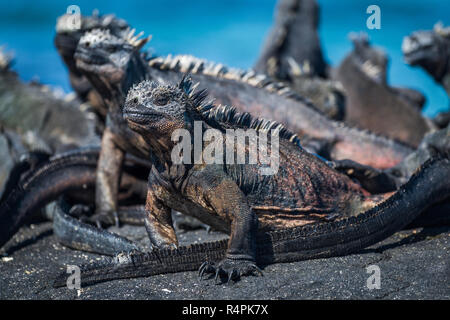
<point>74,234</point>
<point>371,103</point>
<point>372,180</point>
<point>267,216</point>
<point>434,142</point>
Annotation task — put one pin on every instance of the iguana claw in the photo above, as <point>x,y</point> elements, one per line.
<point>233,269</point>
<point>105,218</point>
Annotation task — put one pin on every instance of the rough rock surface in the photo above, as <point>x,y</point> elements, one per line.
<point>414,264</point>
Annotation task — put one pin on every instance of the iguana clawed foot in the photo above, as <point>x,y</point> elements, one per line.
<point>232,269</point>
<point>102,218</point>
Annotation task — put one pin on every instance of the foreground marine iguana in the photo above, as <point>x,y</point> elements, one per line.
<point>267,216</point>
<point>431,50</point>
<point>371,103</point>
<point>292,54</point>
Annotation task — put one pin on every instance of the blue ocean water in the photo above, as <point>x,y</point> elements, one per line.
<point>228,31</point>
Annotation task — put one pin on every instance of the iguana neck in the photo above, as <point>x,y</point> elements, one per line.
<point>114,92</point>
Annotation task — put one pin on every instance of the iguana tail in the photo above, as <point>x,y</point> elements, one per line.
<point>27,163</point>
<point>40,186</point>
<point>70,171</point>
<point>430,184</point>
<point>81,236</point>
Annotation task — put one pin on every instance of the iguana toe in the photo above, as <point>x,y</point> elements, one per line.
<point>103,218</point>
<point>232,269</point>
<point>79,210</point>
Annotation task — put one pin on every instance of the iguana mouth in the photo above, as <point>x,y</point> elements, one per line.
<point>67,41</point>
<point>141,117</point>
<point>90,58</point>
<point>413,51</point>
<point>414,56</point>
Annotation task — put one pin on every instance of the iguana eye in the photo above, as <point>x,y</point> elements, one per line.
<point>111,49</point>
<point>161,100</point>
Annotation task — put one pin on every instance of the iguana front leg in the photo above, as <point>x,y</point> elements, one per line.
<point>109,170</point>
<point>220,194</point>
<point>373,180</point>
<point>158,220</point>
<point>223,195</point>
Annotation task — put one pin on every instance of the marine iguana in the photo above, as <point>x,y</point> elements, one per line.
<point>268,217</point>
<point>292,54</point>
<point>371,103</point>
<point>111,73</point>
<point>293,36</point>
<point>430,50</point>
<point>66,41</point>
<point>112,64</point>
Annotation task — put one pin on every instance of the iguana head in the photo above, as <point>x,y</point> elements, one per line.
<point>68,35</point>
<point>156,110</point>
<point>107,59</point>
<point>429,49</point>
<point>371,60</point>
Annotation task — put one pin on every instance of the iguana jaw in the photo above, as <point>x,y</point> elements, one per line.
<point>67,42</point>
<point>414,51</point>
<point>149,123</point>
<point>107,71</point>
<point>144,119</point>
<point>421,49</point>
<point>98,64</point>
